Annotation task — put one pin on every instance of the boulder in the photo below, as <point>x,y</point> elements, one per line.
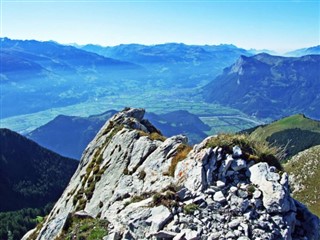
<point>159,217</point>
<point>219,197</point>
<point>276,197</point>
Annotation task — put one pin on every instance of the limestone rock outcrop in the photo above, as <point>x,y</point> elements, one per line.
<point>149,187</point>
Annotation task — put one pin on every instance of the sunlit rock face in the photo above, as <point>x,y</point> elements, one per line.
<point>149,187</point>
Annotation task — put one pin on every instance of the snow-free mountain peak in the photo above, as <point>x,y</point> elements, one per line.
<point>132,183</point>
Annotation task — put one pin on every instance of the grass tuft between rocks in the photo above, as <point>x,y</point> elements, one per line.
<point>258,151</point>
<point>83,228</point>
<point>181,153</point>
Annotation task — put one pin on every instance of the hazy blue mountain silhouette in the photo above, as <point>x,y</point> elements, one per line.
<point>304,51</point>
<point>269,86</point>
<point>69,135</point>
<point>178,63</point>
<point>41,75</point>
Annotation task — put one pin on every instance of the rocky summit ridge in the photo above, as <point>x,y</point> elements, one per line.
<point>139,185</point>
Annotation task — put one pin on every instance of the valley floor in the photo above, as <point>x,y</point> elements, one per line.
<point>219,118</point>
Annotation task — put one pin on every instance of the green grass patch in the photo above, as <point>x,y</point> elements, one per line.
<point>190,208</point>
<point>167,198</point>
<point>259,151</point>
<point>291,122</point>
<point>305,169</point>
<point>84,228</point>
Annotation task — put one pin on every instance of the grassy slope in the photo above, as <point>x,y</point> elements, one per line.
<point>304,172</point>
<point>294,121</point>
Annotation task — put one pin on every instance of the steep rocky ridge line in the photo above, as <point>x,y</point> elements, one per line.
<point>216,193</point>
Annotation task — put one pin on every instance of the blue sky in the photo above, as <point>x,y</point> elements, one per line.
<point>275,25</point>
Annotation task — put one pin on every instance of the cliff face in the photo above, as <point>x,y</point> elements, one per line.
<point>142,186</point>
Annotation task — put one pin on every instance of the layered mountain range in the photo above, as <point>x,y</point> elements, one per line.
<point>177,64</point>
<point>135,181</point>
<point>69,136</point>
<point>269,86</point>
<point>132,183</point>
<point>42,75</point>
<point>304,51</point>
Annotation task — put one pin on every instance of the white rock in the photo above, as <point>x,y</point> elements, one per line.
<point>225,165</point>
<point>276,198</point>
<point>233,189</point>
<point>191,235</point>
<point>127,152</point>
<point>180,236</point>
<point>238,164</point>
<point>242,193</point>
<point>230,235</point>
<point>219,197</point>
<point>234,223</point>
<point>199,200</point>
<point>257,193</point>
<point>236,151</point>
<point>243,238</point>
<point>210,191</point>
<point>245,228</point>
<point>237,233</point>
<point>159,217</point>
<point>214,236</point>
<point>220,184</point>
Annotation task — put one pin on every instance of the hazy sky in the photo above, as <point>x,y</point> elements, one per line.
<point>276,25</point>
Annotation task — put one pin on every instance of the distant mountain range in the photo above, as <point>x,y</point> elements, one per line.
<point>69,136</point>
<point>41,75</point>
<point>180,122</point>
<point>175,63</point>
<point>304,51</point>
<point>294,133</point>
<point>38,76</point>
<point>30,175</point>
<point>269,86</point>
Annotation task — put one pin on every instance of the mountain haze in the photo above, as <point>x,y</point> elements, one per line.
<point>269,86</point>
<point>304,51</point>
<point>176,63</point>
<point>69,135</point>
<point>42,75</point>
